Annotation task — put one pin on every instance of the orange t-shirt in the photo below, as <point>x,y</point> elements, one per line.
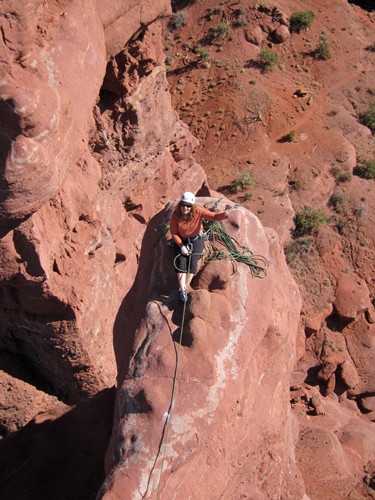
<point>182,229</point>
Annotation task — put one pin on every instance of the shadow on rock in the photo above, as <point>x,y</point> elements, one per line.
<point>61,458</point>
<point>155,282</point>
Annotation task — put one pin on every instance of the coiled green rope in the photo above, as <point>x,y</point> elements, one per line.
<point>230,248</point>
<point>216,232</point>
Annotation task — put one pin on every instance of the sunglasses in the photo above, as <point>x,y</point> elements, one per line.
<point>186,205</point>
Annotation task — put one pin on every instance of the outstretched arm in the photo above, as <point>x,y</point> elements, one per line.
<point>215,216</point>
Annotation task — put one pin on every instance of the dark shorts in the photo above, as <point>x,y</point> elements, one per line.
<point>189,264</point>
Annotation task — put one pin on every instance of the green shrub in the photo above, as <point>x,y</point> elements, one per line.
<point>243,180</point>
<point>296,249</point>
<point>239,12</point>
<point>276,14</point>
<point>267,59</point>
<point>262,7</point>
<point>177,20</point>
<point>323,50</point>
<point>301,20</point>
<point>203,54</point>
<point>360,211</point>
<point>371,47</point>
<point>333,112</point>
<point>289,137</point>
<point>176,4</point>
<point>365,169</point>
<point>169,60</point>
<point>338,200</point>
<point>308,219</point>
<point>218,9</point>
<point>221,30</point>
<point>340,175</point>
<point>368,118</point>
<point>241,21</point>
<point>295,185</point>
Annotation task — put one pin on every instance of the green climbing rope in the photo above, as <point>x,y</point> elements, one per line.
<point>169,413</point>
<point>230,249</point>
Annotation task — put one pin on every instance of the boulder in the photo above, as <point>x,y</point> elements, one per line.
<point>281,33</point>
<point>178,390</point>
<point>352,297</point>
<point>349,375</point>
<point>254,35</point>
<point>327,473</point>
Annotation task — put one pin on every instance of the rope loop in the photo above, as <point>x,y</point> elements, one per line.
<point>217,233</point>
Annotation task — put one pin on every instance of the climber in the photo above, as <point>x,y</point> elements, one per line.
<point>187,234</point>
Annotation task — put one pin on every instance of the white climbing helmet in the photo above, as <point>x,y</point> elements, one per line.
<point>188,197</point>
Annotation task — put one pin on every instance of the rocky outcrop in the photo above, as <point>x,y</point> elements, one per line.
<point>46,56</point>
<point>122,20</point>
<point>21,402</point>
<point>92,151</point>
<point>82,174</point>
<point>213,397</point>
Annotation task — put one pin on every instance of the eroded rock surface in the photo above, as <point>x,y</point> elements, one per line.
<point>233,358</point>
<point>91,152</point>
<point>82,174</point>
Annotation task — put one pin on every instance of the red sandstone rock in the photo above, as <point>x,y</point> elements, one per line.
<point>357,436</point>
<point>232,321</point>
<point>66,269</point>
<point>281,33</point>
<point>63,294</point>
<point>122,19</point>
<point>328,475</point>
<point>254,35</point>
<point>359,338</point>
<point>368,404</point>
<point>352,297</point>
<point>315,319</point>
<point>21,402</point>
<point>58,454</point>
<point>349,375</point>
<point>44,114</point>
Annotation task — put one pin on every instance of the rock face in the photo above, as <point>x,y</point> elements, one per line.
<point>21,402</point>
<point>42,113</point>
<point>122,19</point>
<point>223,380</point>
<point>92,151</point>
<point>82,173</point>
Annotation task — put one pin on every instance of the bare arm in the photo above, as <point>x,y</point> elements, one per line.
<point>213,216</point>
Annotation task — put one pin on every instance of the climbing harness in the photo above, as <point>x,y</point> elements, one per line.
<point>190,247</point>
